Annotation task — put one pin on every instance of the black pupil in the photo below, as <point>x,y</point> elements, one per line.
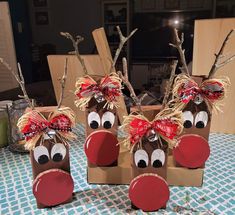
<point>200,124</point>
<point>94,124</point>
<point>157,164</point>
<point>187,124</point>
<point>142,164</point>
<point>57,157</point>
<point>43,159</point>
<point>107,124</point>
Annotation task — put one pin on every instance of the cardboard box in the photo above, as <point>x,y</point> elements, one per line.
<point>150,111</point>
<point>121,174</point>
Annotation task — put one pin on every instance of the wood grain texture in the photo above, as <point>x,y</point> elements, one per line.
<point>106,60</point>
<point>56,65</point>
<point>208,38</point>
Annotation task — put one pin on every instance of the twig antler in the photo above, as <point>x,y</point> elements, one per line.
<point>76,42</point>
<point>123,40</point>
<point>220,55</point>
<point>62,82</point>
<point>20,79</point>
<point>124,76</point>
<point>170,83</point>
<point>181,51</point>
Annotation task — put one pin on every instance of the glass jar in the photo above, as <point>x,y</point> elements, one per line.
<point>4,123</point>
<point>16,139</point>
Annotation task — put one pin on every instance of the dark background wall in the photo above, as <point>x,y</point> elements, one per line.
<point>74,16</point>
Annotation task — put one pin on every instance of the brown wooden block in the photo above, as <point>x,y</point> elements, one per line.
<point>193,149</point>
<point>52,181</point>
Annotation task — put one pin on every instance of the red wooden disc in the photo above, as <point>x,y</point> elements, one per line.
<point>101,148</point>
<point>149,192</point>
<point>53,187</point>
<point>192,151</point>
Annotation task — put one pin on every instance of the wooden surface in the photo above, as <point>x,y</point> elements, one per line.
<point>106,59</point>
<point>208,37</point>
<point>56,64</point>
<point>7,49</point>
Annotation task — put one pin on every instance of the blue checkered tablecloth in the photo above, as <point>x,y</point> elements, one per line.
<point>216,196</point>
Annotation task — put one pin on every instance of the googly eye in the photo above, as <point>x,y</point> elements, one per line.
<point>201,119</point>
<point>158,158</point>
<point>141,158</point>
<point>108,119</point>
<point>93,120</point>
<point>41,154</point>
<point>188,119</point>
<point>58,152</point>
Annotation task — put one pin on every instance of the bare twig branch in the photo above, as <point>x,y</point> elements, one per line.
<point>75,42</point>
<point>124,77</point>
<point>123,40</point>
<point>216,65</point>
<point>178,46</point>
<point>63,81</point>
<point>20,79</point>
<point>170,83</point>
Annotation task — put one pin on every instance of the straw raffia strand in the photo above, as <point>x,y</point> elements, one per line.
<point>175,116</point>
<point>23,121</point>
<point>169,113</point>
<point>184,79</point>
<point>81,103</point>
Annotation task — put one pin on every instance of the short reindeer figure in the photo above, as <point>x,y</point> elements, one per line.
<point>196,97</point>
<point>47,131</point>
<point>98,96</point>
<point>148,142</point>
<point>47,134</point>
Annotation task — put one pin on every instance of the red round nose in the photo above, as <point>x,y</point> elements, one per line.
<point>53,187</point>
<point>149,192</point>
<point>101,148</point>
<point>192,151</point>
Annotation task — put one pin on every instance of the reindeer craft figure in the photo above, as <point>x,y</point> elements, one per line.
<point>197,96</point>
<point>148,142</point>
<point>98,96</point>
<point>47,131</point>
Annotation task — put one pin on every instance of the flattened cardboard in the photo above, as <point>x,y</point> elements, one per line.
<point>208,37</point>
<point>56,65</point>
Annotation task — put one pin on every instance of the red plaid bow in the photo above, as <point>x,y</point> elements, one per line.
<point>140,127</point>
<point>108,89</point>
<point>37,124</point>
<point>211,90</point>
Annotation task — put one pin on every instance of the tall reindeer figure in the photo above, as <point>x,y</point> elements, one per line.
<point>98,96</point>
<point>47,132</point>
<point>148,142</point>
<point>197,96</point>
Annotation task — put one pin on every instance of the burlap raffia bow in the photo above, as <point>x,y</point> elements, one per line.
<point>33,125</point>
<point>167,124</point>
<point>108,89</point>
<point>210,91</point>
